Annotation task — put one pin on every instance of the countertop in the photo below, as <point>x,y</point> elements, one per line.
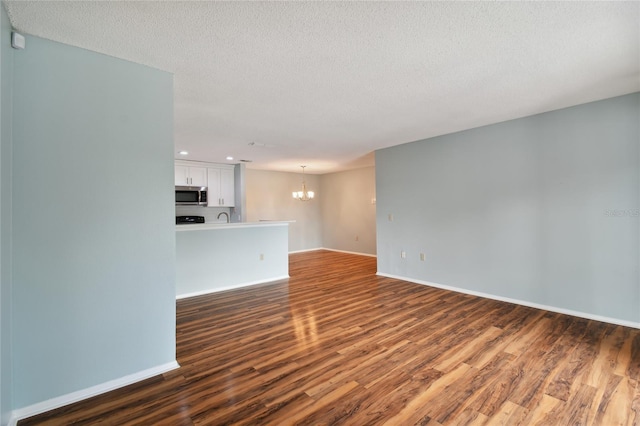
<point>224,225</point>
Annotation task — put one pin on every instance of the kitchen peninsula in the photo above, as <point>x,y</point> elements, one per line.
<point>213,257</point>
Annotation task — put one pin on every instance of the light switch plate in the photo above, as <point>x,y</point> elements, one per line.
<point>18,41</point>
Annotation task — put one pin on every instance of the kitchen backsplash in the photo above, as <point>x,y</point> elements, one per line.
<point>210,213</point>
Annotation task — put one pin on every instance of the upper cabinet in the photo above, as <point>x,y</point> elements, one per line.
<point>221,186</point>
<point>191,176</point>
<point>218,178</point>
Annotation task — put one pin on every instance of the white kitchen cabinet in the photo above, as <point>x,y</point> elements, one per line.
<point>221,186</point>
<point>227,187</point>
<point>191,176</point>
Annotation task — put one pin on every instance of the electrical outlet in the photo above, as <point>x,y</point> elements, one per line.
<point>357,238</point>
<point>422,257</point>
<point>403,254</point>
<point>261,256</point>
<point>390,217</point>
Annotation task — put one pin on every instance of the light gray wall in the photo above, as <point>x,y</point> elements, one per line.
<point>6,83</point>
<point>348,214</point>
<point>209,260</point>
<point>268,196</point>
<point>93,228</point>
<point>340,211</point>
<point>541,209</point>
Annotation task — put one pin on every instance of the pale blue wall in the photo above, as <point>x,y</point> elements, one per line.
<point>541,209</point>
<point>93,227</point>
<point>6,82</point>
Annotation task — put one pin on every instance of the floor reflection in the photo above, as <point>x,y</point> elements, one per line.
<point>303,320</point>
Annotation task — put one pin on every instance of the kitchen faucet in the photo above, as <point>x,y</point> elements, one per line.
<point>224,213</point>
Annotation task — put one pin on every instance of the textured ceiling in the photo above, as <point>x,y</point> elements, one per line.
<point>326,83</point>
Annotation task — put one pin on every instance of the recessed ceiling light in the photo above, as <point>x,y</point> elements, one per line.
<point>229,158</point>
<point>183,153</point>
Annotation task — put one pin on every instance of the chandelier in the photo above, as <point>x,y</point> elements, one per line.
<point>303,195</point>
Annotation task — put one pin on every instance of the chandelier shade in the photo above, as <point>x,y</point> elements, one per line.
<point>305,194</point>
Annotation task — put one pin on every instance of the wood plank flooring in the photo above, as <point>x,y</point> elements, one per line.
<point>337,345</point>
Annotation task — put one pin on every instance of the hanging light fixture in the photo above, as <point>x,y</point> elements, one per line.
<point>303,195</point>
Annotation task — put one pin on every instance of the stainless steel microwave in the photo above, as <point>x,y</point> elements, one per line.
<point>191,195</point>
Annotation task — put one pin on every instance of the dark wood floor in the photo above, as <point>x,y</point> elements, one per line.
<point>337,345</point>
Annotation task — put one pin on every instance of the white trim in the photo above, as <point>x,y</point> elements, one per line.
<point>350,252</point>
<point>230,287</point>
<point>585,315</point>
<point>70,398</point>
<point>306,250</point>
<point>336,250</point>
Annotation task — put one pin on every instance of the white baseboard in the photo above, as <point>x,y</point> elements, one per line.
<point>230,287</point>
<point>336,250</point>
<point>70,398</point>
<point>306,250</point>
<point>350,252</point>
<point>585,315</point>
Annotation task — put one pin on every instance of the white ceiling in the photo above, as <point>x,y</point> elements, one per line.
<point>326,83</point>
